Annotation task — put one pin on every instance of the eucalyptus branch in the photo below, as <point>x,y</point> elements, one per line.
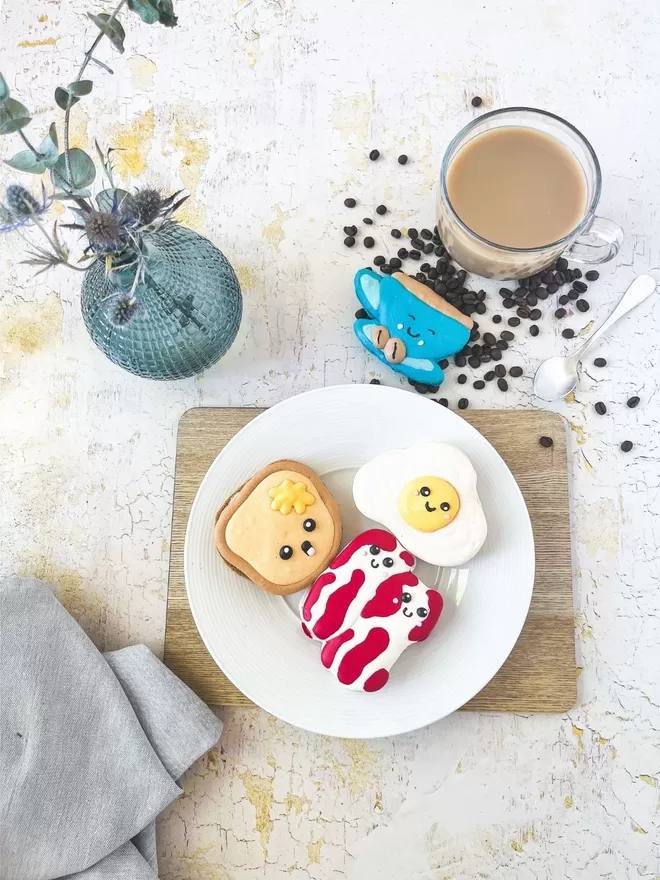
<point>67,113</point>
<point>35,152</point>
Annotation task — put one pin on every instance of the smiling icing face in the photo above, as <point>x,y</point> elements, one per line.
<point>428,503</point>
<point>427,497</point>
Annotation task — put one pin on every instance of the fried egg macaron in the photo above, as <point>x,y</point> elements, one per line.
<point>426,496</point>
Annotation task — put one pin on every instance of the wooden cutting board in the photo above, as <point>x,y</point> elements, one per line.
<point>540,673</point>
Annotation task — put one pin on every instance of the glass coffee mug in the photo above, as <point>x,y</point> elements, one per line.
<point>593,240</point>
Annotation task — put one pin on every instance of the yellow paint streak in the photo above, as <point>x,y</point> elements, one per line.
<point>164,546</point>
<point>602,741</point>
<point>314,851</point>
<point>579,434</point>
<point>612,752</point>
<point>62,401</point>
<point>363,759</point>
<point>32,327</point>
<point>259,790</point>
<point>132,143</point>
<point>378,804</point>
<point>43,18</point>
<point>248,277</point>
<point>273,232</point>
<point>586,330</point>
<point>587,463</point>
<point>36,44</point>
<point>270,760</point>
<point>459,767</point>
<point>649,780</point>
<point>637,828</point>
<point>78,127</point>
<point>188,122</point>
<point>570,398</point>
<point>578,671</point>
<point>568,802</point>
<point>578,732</point>
<point>296,803</point>
<point>350,116</point>
<point>516,846</point>
<point>142,72</point>
<point>252,59</point>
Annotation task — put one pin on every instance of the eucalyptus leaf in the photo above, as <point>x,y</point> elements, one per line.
<point>4,89</point>
<point>13,116</point>
<point>106,198</point>
<point>83,170</point>
<point>76,194</point>
<point>111,28</point>
<point>64,99</point>
<point>166,14</point>
<point>80,88</point>
<point>145,9</point>
<point>26,161</point>
<point>49,149</point>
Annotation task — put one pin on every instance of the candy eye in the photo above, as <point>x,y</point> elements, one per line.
<point>406,597</point>
<point>388,562</point>
<point>422,612</point>
<point>445,506</point>
<point>425,491</point>
<point>286,552</point>
<point>374,549</point>
<point>309,525</point>
<point>307,548</point>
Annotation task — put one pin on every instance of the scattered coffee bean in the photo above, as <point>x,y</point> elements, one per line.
<point>481,296</point>
<point>508,303</point>
<point>476,101</point>
<point>535,314</point>
<point>396,233</point>
<point>505,293</point>
<point>349,241</point>
<point>395,263</point>
<point>563,299</point>
<point>386,270</point>
<point>361,314</point>
<point>381,209</point>
<point>573,295</point>
<point>531,299</point>
<point>500,371</point>
<point>600,362</point>
<point>463,403</point>
<point>460,360</point>
<point>402,253</point>
<point>420,276</point>
<point>428,235</point>
<point>350,230</point>
<point>576,273</point>
<point>479,384</point>
<point>560,313</point>
<point>486,358</point>
<point>489,339</point>
<point>368,221</point>
<point>443,364</point>
<point>369,242</point>
<point>502,384</point>
<point>412,233</point>
<point>440,287</point>
<point>548,278</point>
<point>439,251</point>
<point>433,274</point>
<point>502,344</point>
<point>542,293</point>
<point>580,286</point>
<point>402,161</point>
<point>516,372</point>
<point>632,401</point>
<point>513,322</point>
<point>461,379</point>
<point>534,330</point>
<point>522,312</point>
<point>489,376</point>
<point>414,255</point>
<point>561,265</point>
<point>374,154</point>
<point>480,308</point>
<point>592,275</point>
<point>600,408</point>
<point>425,267</point>
<point>374,381</point>
<point>496,354</point>
<point>443,400</point>
<point>429,248</point>
<point>568,333</point>
<point>497,319</point>
<point>582,305</point>
<point>350,203</point>
<point>546,442</point>
<point>626,446</point>
<point>417,243</point>
<point>474,362</point>
<point>507,335</point>
<point>380,260</point>
<point>552,288</point>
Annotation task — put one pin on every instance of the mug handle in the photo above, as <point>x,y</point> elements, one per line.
<point>600,242</point>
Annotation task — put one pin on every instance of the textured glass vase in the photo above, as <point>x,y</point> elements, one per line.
<point>189,307</point>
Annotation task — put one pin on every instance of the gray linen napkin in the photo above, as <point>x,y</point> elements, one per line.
<point>91,745</point>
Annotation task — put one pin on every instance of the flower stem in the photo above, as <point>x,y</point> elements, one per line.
<point>67,113</point>
<point>31,148</point>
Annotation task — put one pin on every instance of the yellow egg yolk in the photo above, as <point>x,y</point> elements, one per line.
<point>428,503</point>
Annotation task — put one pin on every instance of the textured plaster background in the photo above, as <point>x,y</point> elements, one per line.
<point>265,110</point>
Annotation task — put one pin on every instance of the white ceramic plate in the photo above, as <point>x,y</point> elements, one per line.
<point>255,638</point>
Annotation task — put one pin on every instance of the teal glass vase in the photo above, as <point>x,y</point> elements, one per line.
<point>188,312</point>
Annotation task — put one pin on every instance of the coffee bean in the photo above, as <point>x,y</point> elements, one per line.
<point>486,358</point>
<point>600,408</point>
<point>516,372</point>
<point>580,286</point>
<point>507,335</point>
<point>481,296</point>
<point>502,344</point>
<point>479,384</point>
<point>489,339</point>
<point>369,242</point>
<point>500,371</point>
<point>440,287</point>
<point>577,273</point>
<point>561,264</point>
<point>469,298</point>
<point>439,251</point>
<point>414,255</point>
<point>380,261</point>
<point>546,441</point>
<point>381,209</point>
<point>349,241</point>
<point>396,233</point>
<point>386,270</point>
<point>443,400</point>
<point>402,161</point>
<point>474,361</point>
<point>560,313</point>
<point>534,330</point>
<point>428,248</point>
<point>395,263</point>
<point>433,274</point>
<point>508,303</point>
<point>451,270</point>
<point>505,293</point>
<point>548,278</point>
<point>582,305</point>
<point>460,360</point>
<point>361,314</point>
<point>476,101</point>
<point>496,354</point>
<point>420,276</point>
<point>350,230</point>
<point>573,295</point>
<point>535,314</point>
<point>412,233</point>
<point>552,288</point>
<point>480,308</point>
<point>522,312</point>
<point>626,446</point>
<point>568,333</point>
<point>454,284</point>
<point>563,299</point>
<point>531,299</point>
<point>425,267</point>
<point>463,403</point>
<point>489,376</point>
<point>513,322</point>
<point>374,381</point>
<point>427,234</point>
<point>497,319</point>
<point>502,384</point>
<point>592,275</point>
<point>461,378</point>
<point>600,362</point>
<point>632,401</point>
<point>368,221</point>
<point>350,203</point>
<point>476,348</point>
<point>542,293</point>
<point>417,243</point>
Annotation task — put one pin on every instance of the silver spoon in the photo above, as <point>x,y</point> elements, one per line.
<point>557,376</point>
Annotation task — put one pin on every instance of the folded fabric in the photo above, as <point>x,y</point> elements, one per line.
<point>91,745</point>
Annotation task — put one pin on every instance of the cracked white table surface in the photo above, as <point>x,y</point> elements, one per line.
<point>265,110</point>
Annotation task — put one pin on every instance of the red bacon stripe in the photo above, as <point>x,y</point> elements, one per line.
<point>377,680</point>
<point>312,597</point>
<point>332,619</point>
<point>379,537</point>
<point>329,650</point>
<point>356,660</point>
<point>387,598</point>
<point>408,558</point>
<point>423,631</point>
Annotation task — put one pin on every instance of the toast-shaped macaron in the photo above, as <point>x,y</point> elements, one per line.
<point>281,529</point>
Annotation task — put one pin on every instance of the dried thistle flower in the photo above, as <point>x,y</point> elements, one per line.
<point>145,205</point>
<point>124,310</point>
<point>21,207</point>
<point>106,231</point>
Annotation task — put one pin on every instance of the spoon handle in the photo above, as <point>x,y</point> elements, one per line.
<point>641,289</point>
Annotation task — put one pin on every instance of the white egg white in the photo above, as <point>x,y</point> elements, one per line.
<point>376,490</point>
